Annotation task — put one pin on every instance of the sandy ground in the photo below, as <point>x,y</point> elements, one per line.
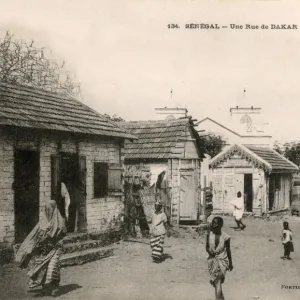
<point>258,273</point>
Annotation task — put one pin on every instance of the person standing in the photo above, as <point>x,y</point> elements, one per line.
<point>219,259</point>
<point>287,240</point>
<point>159,223</point>
<point>42,248</point>
<point>238,210</point>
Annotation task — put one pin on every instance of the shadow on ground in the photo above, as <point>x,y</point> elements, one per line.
<point>64,289</point>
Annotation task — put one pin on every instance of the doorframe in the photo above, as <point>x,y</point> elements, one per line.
<point>193,172</point>
<point>245,204</point>
<point>56,180</point>
<point>38,153</point>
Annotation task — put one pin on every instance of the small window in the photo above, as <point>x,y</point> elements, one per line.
<point>278,182</point>
<point>100,179</point>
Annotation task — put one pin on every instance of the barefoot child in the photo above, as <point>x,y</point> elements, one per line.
<point>219,259</point>
<point>287,240</point>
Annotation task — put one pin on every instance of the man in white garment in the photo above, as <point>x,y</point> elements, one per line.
<point>238,210</point>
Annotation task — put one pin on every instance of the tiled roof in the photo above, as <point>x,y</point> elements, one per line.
<point>156,139</point>
<point>277,161</point>
<point>260,157</point>
<point>27,107</point>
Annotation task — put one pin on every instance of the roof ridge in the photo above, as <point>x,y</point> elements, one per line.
<point>38,90</point>
<point>155,121</point>
<point>245,149</point>
<point>56,103</point>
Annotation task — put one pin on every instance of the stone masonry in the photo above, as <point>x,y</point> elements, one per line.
<point>102,214</point>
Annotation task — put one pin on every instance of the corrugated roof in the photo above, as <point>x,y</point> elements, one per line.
<point>156,139</point>
<point>260,157</point>
<point>28,107</point>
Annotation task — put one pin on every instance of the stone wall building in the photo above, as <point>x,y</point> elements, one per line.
<point>46,139</point>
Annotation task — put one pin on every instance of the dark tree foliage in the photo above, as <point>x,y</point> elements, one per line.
<point>290,150</point>
<point>114,118</point>
<point>213,143</point>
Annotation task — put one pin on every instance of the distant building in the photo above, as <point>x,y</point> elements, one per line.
<point>263,176</point>
<point>171,148</point>
<point>244,126</point>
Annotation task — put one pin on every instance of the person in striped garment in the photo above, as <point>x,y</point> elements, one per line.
<point>159,223</point>
<point>42,248</point>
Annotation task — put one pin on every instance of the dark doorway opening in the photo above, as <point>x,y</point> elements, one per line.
<point>72,174</point>
<point>272,191</point>
<point>70,177</point>
<point>248,192</point>
<point>26,191</point>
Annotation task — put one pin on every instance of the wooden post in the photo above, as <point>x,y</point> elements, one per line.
<point>204,197</point>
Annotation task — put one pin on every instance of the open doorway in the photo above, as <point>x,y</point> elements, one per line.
<point>26,192</point>
<point>70,172</point>
<point>248,192</point>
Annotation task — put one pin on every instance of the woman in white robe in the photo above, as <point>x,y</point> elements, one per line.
<point>238,210</point>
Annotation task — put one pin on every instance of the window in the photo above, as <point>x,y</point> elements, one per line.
<point>277,182</point>
<point>100,179</point>
<point>107,178</point>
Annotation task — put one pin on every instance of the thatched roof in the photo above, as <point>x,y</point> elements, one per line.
<point>260,157</point>
<point>27,107</point>
<point>156,139</point>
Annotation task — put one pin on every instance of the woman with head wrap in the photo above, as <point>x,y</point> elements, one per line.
<point>158,230</point>
<point>42,249</point>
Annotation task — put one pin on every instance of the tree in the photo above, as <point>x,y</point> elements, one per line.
<point>213,143</point>
<point>23,63</point>
<point>114,118</point>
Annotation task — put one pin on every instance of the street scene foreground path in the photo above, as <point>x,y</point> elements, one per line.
<point>259,272</point>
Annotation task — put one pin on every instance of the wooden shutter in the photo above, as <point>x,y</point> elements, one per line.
<point>115,178</point>
<point>82,203</point>
<point>217,180</point>
<point>56,178</point>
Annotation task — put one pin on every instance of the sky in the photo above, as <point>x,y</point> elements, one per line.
<point>127,60</point>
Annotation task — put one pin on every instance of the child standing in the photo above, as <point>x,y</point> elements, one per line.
<point>287,240</point>
<point>219,259</point>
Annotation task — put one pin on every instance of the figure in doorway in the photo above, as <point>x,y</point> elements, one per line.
<point>42,248</point>
<point>238,210</point>
<point>219,259</point>
<point>66,199</point>
<point>70,193</point>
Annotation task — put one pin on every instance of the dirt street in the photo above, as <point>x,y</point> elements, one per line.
<point>259,272</point>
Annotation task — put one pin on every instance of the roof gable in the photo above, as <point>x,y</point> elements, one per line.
<point>232,131</point>
<point>27,107</point>
<point>260,157</point>
<point>156,139</point>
